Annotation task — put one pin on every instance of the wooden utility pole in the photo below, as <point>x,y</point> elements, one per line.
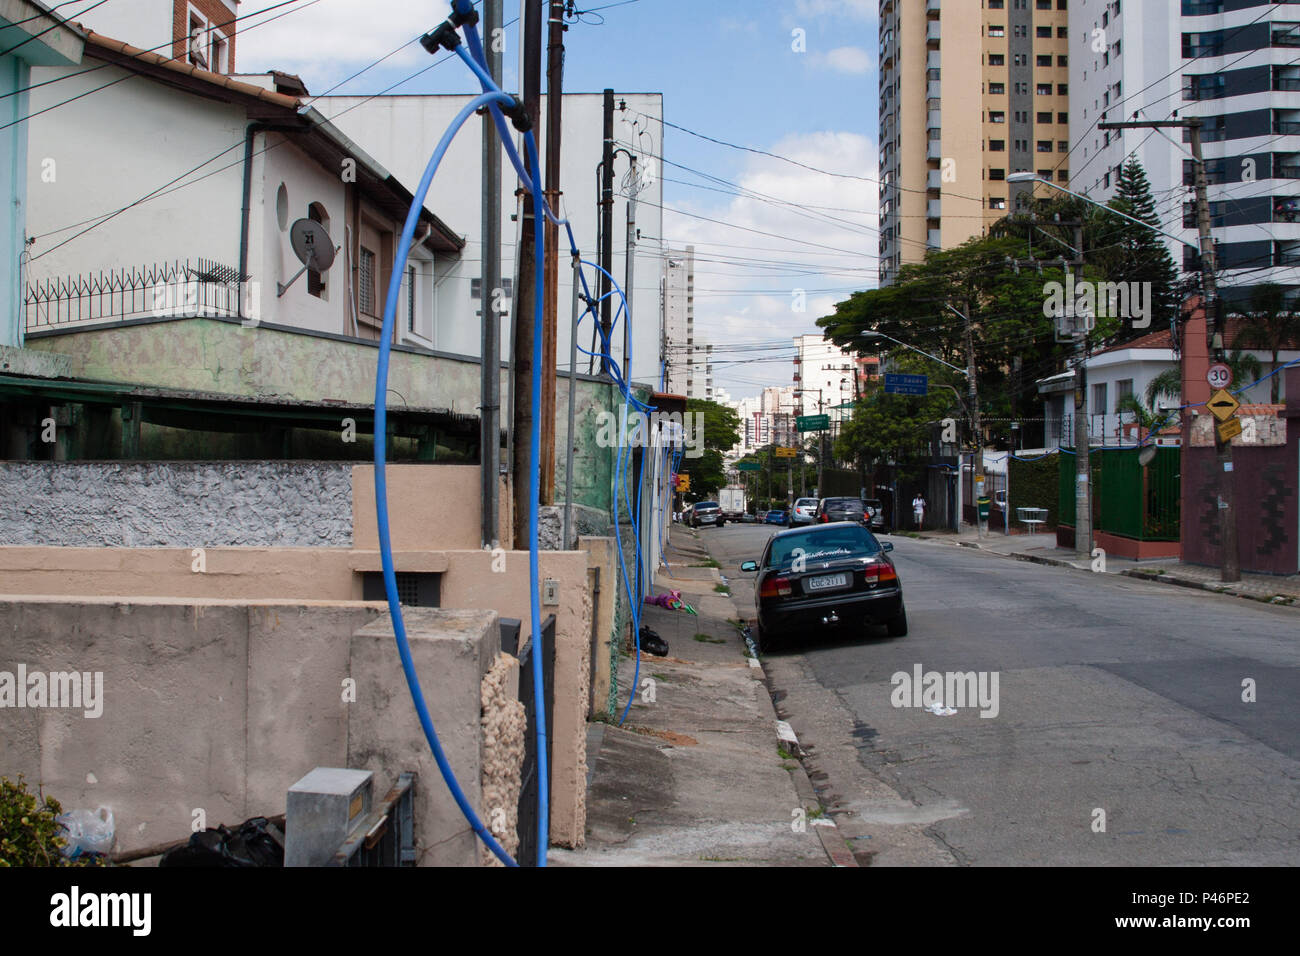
<point>525,288</point>
<point>1231,567</point>
<point>554,108</point>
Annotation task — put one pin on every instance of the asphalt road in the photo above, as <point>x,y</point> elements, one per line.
<point>1121,736</point>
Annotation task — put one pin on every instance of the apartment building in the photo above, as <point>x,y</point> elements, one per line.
<point>1233,64</point>
<point>969,92</point>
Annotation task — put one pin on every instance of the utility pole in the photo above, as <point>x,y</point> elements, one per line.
<point>1231,567</point>
<point>630,272</point>
<point>551,266</point>
<point>607,222</point>
<point>490,279</point>
<point>525,289</point>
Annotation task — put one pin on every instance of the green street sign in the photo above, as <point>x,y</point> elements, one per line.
<point>812,423</point>
<point>749,466</point>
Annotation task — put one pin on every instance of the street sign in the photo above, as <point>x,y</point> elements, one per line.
<point>899,384</point>
<point>683,482</point>
<point>1223,405</point>
<point>749,466</point>
<point>1229,430</point>
<point>1219,376</point>
<point>787,452</point>
<point>812,423</point>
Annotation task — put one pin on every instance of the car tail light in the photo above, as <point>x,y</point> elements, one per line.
<point>881,573</point>
<point>825,517</point>
<point>776,587</point>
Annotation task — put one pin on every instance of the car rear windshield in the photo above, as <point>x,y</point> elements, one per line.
<point>806,503</point>
<point>843,504</point>
<point>706,504</point>
<point>823,544</point>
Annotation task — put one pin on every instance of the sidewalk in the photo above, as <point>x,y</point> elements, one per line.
<point>1042,549</point>
<point>694,776</point>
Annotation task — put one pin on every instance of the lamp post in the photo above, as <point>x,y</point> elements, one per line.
<point>821,439</point>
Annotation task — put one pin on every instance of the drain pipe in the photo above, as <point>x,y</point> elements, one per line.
<point>250,135</point>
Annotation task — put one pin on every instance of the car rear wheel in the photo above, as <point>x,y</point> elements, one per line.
<point>898,624</point>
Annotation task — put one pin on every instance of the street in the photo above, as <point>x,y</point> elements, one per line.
<point>1120,735</point>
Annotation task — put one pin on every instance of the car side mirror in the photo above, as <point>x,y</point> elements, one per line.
<point>749,566</point>
<point>887,545</point>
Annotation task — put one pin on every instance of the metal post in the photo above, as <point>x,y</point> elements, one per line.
<point>551,266</point>
<point>607,221</point>
<point>573,391</point>
<point>490,279</point>
<point>1082,463</point>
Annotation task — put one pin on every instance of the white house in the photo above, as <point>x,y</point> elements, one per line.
<point>402,132</point>
<point>1127,370</point>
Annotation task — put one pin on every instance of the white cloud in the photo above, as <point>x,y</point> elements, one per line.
<point>762,308</point>
<point>857,9</point>
<point>326,37</point>
<point>845,59</point>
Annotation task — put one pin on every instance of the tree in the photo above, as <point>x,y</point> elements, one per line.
<point>1270,325</point>
<point>721,427</point>
<point>1131,253</point>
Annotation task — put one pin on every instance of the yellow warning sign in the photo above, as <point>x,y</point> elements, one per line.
<point>1223,405</point>
<point>1229,430</point>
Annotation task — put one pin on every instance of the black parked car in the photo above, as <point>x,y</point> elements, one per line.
<point>841,509</point>
<point>706,512</point>
<point>828,577</point>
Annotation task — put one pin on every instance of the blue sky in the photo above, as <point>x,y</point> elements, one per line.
<point>727,68</point>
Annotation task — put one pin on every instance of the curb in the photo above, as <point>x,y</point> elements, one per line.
<point>828,833</point>
<point>1142,574</point>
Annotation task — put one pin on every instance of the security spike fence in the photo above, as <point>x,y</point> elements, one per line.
<point>201,287</point>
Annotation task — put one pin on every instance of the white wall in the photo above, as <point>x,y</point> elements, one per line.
<point>146,24</point>
<point>113,147</point>
<point>401,133</point>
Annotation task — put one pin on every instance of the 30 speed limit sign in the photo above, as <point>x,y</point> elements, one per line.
<point>1219,375</point>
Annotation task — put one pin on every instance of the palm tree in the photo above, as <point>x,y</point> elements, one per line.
<point>1270,325</point>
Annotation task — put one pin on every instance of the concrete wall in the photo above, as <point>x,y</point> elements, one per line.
<point>431,508</point>
<point>176,504</point>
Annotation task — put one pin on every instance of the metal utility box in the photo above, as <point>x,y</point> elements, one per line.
<point>323,809</point>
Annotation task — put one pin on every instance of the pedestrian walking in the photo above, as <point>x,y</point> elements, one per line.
<point>918,510</point>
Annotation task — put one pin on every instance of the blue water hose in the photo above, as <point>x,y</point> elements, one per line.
<point>381,481</point>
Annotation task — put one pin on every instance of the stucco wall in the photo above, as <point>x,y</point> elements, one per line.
<point>176,504</point>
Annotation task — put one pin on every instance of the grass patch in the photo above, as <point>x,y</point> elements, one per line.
<point>783,753</point>
<point>707,563</point>
<point>722,589</point>
<point>708,639</point>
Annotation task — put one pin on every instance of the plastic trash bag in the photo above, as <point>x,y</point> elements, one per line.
<point>88,832</point>
<point>652,643</point>
<point>256,842</point>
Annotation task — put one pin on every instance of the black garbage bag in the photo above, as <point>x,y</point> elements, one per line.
<point>256,842</point>
<point>652,643</point>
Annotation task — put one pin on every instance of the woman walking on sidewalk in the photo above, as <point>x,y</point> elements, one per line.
<point>918,510</point>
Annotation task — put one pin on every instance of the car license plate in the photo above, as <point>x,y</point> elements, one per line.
<point>828,581</point>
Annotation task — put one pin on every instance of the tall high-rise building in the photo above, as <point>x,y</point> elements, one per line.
<point>969,92</point>
<point>1233,63</point>
<point>678,350</point>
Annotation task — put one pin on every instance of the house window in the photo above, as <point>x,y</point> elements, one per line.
<point>997,202</point>
<point>366,284</point>
<point>997,89</point>
<point>316,280</point>
<point>997,116</point>
<point>997,145</point>
<point>198,52</point>
<point>1099,394</point>
<point>217,61</point>
<point>410,298</point>
<point>997,59</point>
<point>1123,390</point>
<point>1045,118</point>
<point>1044,89</point>
<point>997,175</point>
<point>997,31</point>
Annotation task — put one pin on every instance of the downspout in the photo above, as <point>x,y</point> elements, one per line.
<point>249,136</point>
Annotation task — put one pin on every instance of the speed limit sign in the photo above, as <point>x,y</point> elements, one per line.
<point>1219,375</point>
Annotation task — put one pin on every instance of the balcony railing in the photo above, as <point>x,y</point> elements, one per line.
<point>199,288</point>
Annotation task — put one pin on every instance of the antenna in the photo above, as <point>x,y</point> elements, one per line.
<point>314,248</point>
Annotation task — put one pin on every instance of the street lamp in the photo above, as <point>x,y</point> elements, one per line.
<point>871,334</point>
<point>1027,177</point>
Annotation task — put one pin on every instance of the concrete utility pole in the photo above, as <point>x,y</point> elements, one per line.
<point>607,223</point>
<point>551,307</point>
<point>525,288</point>
<point>490,279</point>
<point>1231,567</point>
<point>630,271</point>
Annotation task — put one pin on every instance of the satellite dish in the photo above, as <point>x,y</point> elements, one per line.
<point>312,245</point>
<point>314,248</point>
<point>1147,455</point>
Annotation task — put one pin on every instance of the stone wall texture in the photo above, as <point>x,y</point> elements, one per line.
<point>176,504</point>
